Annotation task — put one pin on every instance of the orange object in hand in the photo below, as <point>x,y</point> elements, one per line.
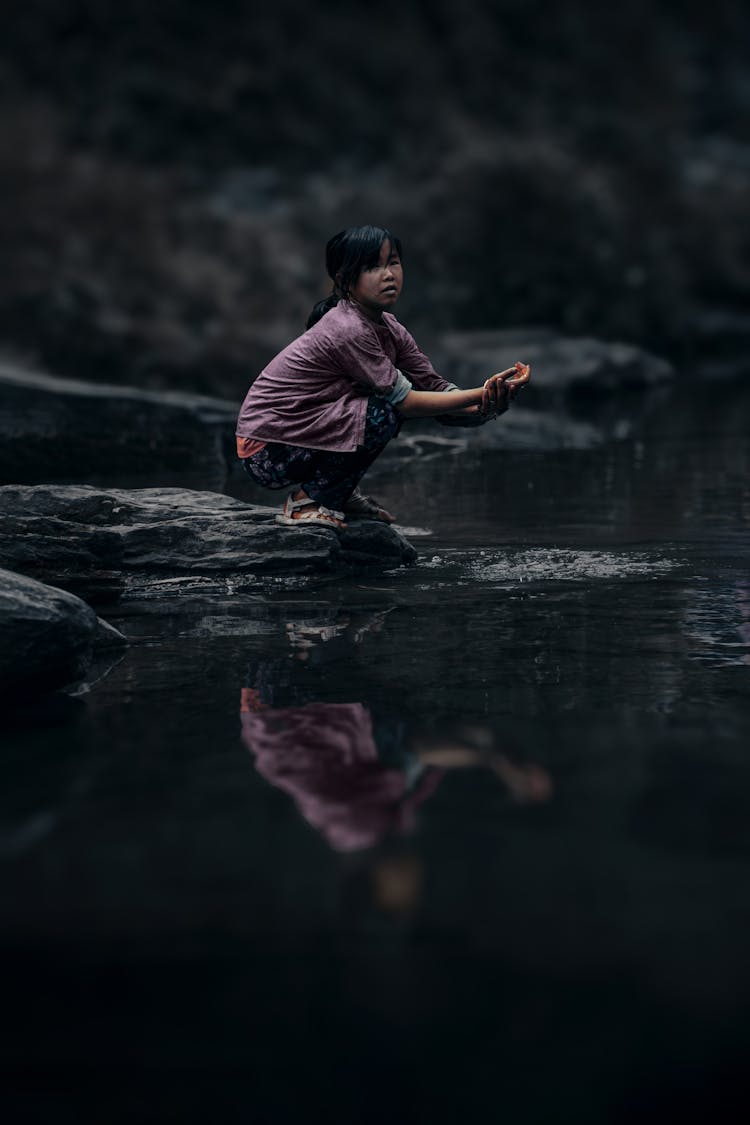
<point>520,378</point>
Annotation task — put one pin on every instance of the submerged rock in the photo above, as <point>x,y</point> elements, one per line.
<point>62,429</point>
<point>102,542</point>
<point>50,637</point>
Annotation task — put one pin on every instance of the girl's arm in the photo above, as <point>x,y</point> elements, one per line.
<point>429,404</point>
<point>491,399</point>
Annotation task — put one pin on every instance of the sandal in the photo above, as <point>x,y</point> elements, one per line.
<point>366,507</point>
<point>310,513</point>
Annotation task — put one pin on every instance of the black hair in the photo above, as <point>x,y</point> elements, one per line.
<point>347,254</point>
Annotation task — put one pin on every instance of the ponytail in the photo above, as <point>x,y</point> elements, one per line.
<point>322,307</point>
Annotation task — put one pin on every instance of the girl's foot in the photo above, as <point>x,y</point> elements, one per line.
<point>367,507</point>
<point>300,509</point>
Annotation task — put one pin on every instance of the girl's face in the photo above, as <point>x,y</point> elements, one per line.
<point>378,288</point>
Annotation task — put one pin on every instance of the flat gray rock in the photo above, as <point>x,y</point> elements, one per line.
<point>49,637</point>
<point>102,542</point>
<point>69,430</point>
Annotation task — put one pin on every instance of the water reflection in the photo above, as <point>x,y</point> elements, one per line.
<point>311,639</point>
<point>358,773</point>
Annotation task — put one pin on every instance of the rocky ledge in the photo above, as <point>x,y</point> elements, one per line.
<point>68,430</point>
<point>102,543</point>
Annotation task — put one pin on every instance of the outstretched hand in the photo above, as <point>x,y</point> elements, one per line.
<point>500,389</point>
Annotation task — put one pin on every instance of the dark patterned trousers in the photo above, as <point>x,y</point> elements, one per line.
<point>329,478</point>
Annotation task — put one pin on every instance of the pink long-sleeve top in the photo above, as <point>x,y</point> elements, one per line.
<point>314,393</point>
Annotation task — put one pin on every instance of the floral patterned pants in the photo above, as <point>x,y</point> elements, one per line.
<point>328,477</point>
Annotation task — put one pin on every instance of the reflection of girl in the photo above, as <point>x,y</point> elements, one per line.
<point>325,408</point>
<point>356,780</point>
<point>324,755</point>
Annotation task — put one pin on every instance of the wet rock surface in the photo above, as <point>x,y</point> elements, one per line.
<point>102,543</point>
<point>63,429</point>
<point>51,638</point>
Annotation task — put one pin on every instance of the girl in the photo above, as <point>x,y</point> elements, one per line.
<point>322,411</point>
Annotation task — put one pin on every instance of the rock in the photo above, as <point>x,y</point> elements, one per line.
<point>520,428</point>
<point>563,366</point>
<point>62,429</point>
<point>106,542</point>
<point>48,636</point>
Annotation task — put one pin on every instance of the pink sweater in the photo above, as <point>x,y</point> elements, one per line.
<point>314,393</point>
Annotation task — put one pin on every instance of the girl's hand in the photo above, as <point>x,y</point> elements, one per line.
<point>495,394</point>
<point>500,389</point>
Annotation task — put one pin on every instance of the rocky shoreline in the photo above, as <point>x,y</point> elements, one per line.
<point>63,546</point>
<point>100,542</point>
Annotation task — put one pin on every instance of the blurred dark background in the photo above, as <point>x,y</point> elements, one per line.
<point>170,174</point>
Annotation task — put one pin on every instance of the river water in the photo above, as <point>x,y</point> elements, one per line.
<point>467,841</point>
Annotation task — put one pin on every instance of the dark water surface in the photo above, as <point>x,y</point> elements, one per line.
<point>469,841</point>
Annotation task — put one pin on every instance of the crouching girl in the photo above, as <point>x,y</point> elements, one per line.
<point>324,409</point>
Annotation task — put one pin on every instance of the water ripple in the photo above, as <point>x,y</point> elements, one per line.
<point>565,565</point>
